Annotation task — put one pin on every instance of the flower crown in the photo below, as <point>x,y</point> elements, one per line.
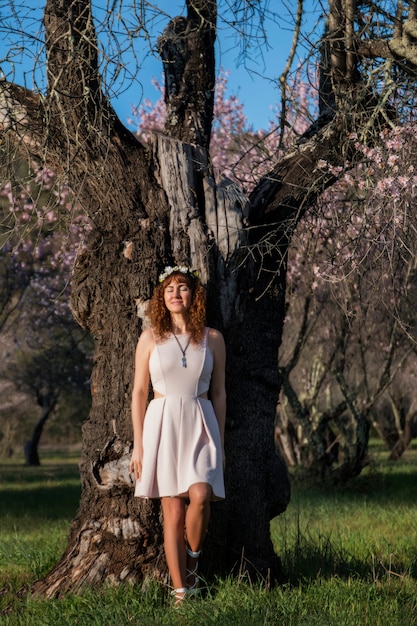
<point>168,270</point>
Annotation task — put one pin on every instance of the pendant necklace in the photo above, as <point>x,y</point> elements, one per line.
<point>183,350</point>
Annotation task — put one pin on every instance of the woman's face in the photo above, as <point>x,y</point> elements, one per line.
<point>177,296</point>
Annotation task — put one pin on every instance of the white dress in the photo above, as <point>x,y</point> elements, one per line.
<point>181,437</point>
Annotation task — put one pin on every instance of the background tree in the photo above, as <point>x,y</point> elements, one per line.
<point>55,368</point>
<point>350,330</point>
<point>148,207</point>
<point>51,355</point>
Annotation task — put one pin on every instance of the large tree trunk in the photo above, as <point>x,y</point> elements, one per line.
<point>148,208</point>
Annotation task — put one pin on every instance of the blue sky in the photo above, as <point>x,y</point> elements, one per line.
<point>253,77</point>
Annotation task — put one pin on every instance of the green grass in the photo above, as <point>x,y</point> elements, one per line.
<point>368,528</point>
<point>36,506</point>
<point>350,554</point>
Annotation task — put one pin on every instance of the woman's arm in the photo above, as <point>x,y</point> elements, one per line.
<point>140,397</point>
<point>217,384</point>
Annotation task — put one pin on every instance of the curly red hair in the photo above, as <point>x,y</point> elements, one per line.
<point>160,317</point>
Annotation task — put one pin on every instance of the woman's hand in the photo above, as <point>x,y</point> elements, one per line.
<point>135,466</point>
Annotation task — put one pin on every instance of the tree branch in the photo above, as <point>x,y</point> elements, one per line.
<point>187,51</point>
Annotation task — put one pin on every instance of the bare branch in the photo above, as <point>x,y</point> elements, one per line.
<point>288,65</point>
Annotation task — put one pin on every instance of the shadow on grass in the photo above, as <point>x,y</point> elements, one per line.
<point>41,503</point>
<point>323,560</point>
<point>45,492</point>
<point>16,473</point>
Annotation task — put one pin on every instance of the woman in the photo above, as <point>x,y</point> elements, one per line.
<point>178,449</point>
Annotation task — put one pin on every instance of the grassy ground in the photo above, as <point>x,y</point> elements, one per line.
<point>350,554</point>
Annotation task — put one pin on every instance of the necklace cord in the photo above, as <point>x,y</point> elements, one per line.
<point>183,350</point>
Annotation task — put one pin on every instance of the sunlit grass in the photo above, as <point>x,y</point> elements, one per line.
<point>350,554</point>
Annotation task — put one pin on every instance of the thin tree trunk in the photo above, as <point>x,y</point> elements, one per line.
<point>405,435</point>
<point>47,402</point>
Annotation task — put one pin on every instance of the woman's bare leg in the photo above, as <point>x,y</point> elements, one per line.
<point>174,541</point>
<point>198,514</point>
<point>196,522</point>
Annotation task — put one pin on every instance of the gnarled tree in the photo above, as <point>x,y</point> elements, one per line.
<point>147,208</point>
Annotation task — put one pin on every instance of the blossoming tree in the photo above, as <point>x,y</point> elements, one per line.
<point>42,231</point>
<point>349,341</point>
